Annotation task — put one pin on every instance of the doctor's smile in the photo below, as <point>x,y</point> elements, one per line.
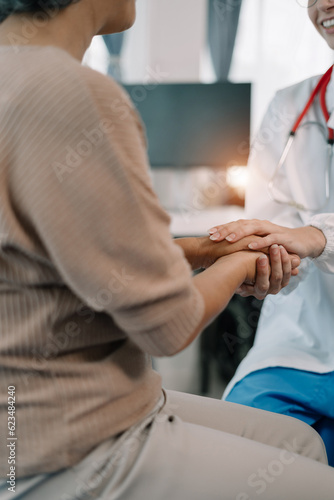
<point>328,24</point>
<point>321,13</point>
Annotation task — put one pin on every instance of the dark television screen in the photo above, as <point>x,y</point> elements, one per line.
<point>195,124</point>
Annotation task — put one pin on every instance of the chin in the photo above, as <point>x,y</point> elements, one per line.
<point>128,25</point>
<point>331,44</point>
<point>119,26</point>
<point>114,29</point>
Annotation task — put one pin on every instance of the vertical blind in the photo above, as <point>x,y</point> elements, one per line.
<point>222,29</point>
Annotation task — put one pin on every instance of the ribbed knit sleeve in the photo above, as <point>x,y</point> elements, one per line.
<point>325,222</point>
<point>86,196</point>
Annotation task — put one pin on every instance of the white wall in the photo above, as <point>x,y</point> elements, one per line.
<point>276,46</point>
<point>168,39</point>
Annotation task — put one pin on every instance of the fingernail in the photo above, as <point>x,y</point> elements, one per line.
<point>275,249</point>
<point>215,236</point>
<point>252,246</point>
<point>230,237</point>
<point>212,230</point>
<point>282,250</point>
<point>295,262</point>
<point>263,260</point>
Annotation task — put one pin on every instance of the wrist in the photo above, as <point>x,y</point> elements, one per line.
<point>204,252</point>
<point>241,262</point>
<point>192,251</point>
<point>318,240</point>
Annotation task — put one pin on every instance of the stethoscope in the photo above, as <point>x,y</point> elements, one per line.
<point>321,90</point>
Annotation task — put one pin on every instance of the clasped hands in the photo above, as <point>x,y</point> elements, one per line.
<point>274,252</point>
<point>284,246</point>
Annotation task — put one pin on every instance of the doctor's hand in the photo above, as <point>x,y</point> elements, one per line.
<point>304,241</point>
<point>271,275</point>
<point>201,252</point>
<point>267,275</point>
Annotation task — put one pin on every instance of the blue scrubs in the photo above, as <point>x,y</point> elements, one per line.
<point>304,395</point>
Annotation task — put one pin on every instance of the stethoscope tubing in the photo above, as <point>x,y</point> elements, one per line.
<point>320,89</point>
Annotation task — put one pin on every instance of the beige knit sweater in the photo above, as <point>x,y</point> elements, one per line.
<point>91,283</point>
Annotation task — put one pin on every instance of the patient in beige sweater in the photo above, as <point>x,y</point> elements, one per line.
<point>91,280</point>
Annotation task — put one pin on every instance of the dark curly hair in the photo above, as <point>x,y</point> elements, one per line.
<point>8,7</point>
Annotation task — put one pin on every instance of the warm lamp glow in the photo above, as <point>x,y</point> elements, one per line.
<point>237,177</point>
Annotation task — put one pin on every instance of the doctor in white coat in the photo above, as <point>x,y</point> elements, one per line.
<point>290,369</point>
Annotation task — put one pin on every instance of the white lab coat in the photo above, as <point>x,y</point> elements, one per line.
<point>296,327</point>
